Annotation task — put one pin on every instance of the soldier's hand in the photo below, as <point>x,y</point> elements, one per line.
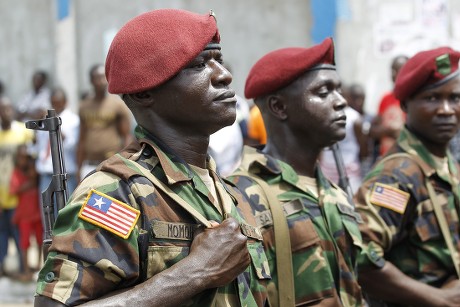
<point>451,293</point>
<point>222,251</point>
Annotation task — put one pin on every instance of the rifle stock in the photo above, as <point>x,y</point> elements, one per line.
<point>55,196</point>
<point>344,182</point>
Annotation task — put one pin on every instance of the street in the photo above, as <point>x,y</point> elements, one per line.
<point>15,293</point>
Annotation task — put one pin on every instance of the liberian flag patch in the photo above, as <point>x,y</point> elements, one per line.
<point>389,197</point>
<point>108,213</point>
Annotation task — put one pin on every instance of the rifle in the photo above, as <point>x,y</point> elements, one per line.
<point>344,182</point>
<point>55,196</point>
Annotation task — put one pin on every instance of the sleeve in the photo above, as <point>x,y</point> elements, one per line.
<point>86,261</point>
<point>385,221</point>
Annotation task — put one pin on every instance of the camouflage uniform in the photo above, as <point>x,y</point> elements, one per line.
<point>325,238</point>
<point>412,239</point>
<point>86,262</point>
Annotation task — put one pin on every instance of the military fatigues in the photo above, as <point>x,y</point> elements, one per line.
<point>325,238</point>
<point>405,231</point>
<point>86,261</point>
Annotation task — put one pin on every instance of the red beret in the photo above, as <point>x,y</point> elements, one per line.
<point>425,69</point>
<point>154,46</point>
<point>278,68</point>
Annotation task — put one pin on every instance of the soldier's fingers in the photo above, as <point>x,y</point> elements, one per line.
<point>213,223</point>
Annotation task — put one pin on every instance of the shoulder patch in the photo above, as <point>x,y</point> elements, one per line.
<point>108,213</point>
<point>392,198</point>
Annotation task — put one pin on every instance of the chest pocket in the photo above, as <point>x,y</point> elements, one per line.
<point>170,243</point>
<point>301,229</point>
<point>426,224</point>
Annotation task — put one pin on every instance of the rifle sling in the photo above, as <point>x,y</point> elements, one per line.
<point>286,290</point>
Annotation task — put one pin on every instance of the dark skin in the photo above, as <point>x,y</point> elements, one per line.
<point>304,117</point>
<point>6,113</point>
<point>190,106</point>
<point>39,80</point>
<point>355,98</point>
<point>99,83</point>
<point>434,116</point>
<point>378,130</point>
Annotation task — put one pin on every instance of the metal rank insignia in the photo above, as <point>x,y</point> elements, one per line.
<point>251,231</point>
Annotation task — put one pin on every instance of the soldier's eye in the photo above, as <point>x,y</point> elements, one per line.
<point>431,98</point>
<point>455,98</point>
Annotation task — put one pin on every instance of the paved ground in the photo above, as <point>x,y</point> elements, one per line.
<point>14,293</point>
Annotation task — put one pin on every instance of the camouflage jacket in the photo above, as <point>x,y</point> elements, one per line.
<point>87,261</point>
<point>324,233</point>
<point>400,224</point>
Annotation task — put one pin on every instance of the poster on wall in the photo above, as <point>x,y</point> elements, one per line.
<point>408,26</point>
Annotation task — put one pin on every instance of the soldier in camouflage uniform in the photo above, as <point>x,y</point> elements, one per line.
<point>155,225</point>
<point>298,93</point>
<point>410,199</point>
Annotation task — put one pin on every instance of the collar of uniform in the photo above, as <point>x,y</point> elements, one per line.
<point>257,162</point>
<point>411,144</point>
<point>174,167</point>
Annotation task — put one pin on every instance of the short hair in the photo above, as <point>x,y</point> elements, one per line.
<point>93,69</point>
<point>58,90</point>
<point>43,74</point>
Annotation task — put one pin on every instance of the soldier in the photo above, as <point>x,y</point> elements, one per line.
<point>155,225</point>
<point>409,201</point>
<point>298,93</point>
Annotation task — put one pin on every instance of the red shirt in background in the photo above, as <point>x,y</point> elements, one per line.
<point>392,116</point>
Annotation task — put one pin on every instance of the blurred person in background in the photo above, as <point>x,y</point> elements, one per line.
<point>390,118</point>
<point>12,134</point>
<point>2,88</point>
<point>27,217</point>
<point>105,126</point>
<point>257,135</point>
<point>356,98</point>
<point>36,102</point>
<point>70,128</point>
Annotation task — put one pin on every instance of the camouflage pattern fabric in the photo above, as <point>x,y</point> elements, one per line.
<point>411,239</point>
<point>324,233</point>
<point>86,261</point>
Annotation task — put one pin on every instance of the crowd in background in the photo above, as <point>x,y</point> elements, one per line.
<point>100,129</point>
<point>104,125</point>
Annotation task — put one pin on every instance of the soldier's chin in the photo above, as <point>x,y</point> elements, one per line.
<point>229,119</point>
<point>340,136</point>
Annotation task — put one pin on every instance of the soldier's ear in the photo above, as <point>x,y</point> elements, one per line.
<point>277,106</point>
